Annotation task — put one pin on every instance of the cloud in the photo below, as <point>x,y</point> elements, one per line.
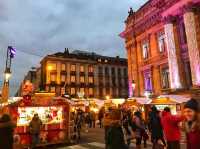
<point>47,26</point>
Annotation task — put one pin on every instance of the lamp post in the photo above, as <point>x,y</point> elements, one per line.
<point>133,87</point>
<point>107,97</point>
<point>11,51</point>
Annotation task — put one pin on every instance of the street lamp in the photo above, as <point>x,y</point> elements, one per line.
<point>11,52</point>
<point>133,87</point>
<point>107,97</point>
<point>7,75</point>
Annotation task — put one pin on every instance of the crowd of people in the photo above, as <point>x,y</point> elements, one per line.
<point>87,120</point>
<point>161,128</point>
<point>123,127</point>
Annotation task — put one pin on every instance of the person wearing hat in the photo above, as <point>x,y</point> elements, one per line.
<point>192,124</point>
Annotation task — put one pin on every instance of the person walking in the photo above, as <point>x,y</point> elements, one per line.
<point>171,128</point>
<point>115,137</point>
<point>155,127</point>
<point>6,132</point>
<point>100,117</point>
<point>78,124</point>
<point>192,124</point>
<point>140,128</point>
<point>35,128</point>
<point>93,118</point>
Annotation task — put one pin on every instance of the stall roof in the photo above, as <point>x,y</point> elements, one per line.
<point>141,100</point>
<point>177,98</point>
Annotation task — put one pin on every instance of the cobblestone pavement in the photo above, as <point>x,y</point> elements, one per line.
<point>94,139</point>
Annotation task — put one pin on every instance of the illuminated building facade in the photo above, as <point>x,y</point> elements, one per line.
<point>84,72</point>
<point>162,39</point>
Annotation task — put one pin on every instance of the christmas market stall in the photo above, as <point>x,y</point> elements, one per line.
<point>53,111</point>
<point>174,102</point>
<point>136,104</point>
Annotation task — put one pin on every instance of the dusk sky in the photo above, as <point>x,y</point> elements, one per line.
<point>40,27</point>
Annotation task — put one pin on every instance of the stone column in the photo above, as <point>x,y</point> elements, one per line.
<point>192,32</point>
<point>173,51</point>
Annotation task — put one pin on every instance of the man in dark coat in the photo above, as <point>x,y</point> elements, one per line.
<point>155,126</point>
<point>6,132</point>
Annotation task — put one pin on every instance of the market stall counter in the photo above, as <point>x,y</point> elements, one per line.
<point>53,112</point>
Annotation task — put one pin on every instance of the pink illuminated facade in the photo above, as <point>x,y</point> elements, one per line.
<point>162,39</point>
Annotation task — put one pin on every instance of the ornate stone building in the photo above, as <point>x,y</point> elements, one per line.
<point>162,39</point>
<point>83,72</point>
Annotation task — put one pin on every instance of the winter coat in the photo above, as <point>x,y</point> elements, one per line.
<point>192,135</point>
<point>140,126</point>
<point>35,126</point>
<point>171,126</point>
<point>6,135</point>
<point>155,126</point>
<point>115,137</point>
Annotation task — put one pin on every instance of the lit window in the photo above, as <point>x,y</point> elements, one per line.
<point>73,67</point>
<point>63,78</point>
<point>90,69</point>
<point>52,77</point>
<point>82,68</point>
<point>91,79</point>
<point>51,66</point>
<point>62,91</point>
<point>82,79</point>
<point>82,90</point>
<point>91,91</point>
<point>63,67</point>
<point>73,79</point>
<point>106,60</point>
<point>148,81</point>
<point>73,91</point>
<point>52,89</point>
<point>161,42</point>
<point>99,60</point>
<point>145,50</point>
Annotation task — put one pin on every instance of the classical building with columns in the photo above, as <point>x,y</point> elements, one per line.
<point>78,72</point>
<point>162,40</point>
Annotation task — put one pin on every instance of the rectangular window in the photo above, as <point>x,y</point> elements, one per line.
<point>73,79</point>
<point>106,71</point>
<point>73,91</point>
<point>147,81</point>
<point>51,66</point>
<point>52,89</point>
<point>91,79</point>
<point>125,72</point>
<point>73,67</point>
<point>161,42</point>
<point>52,77</point>
<point>145,50</point>
<point>90,69</point>
<point>119,72</point>
<point>62,91</point>
<point>165,78</point>
<point>63,67</point>
<point>82,69</point>
<point>82,90</point>
<point>82,79</point>
<point>113,71</point>
<point>100,70</point>
<point>91,91</point>
<point>63,78</point>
